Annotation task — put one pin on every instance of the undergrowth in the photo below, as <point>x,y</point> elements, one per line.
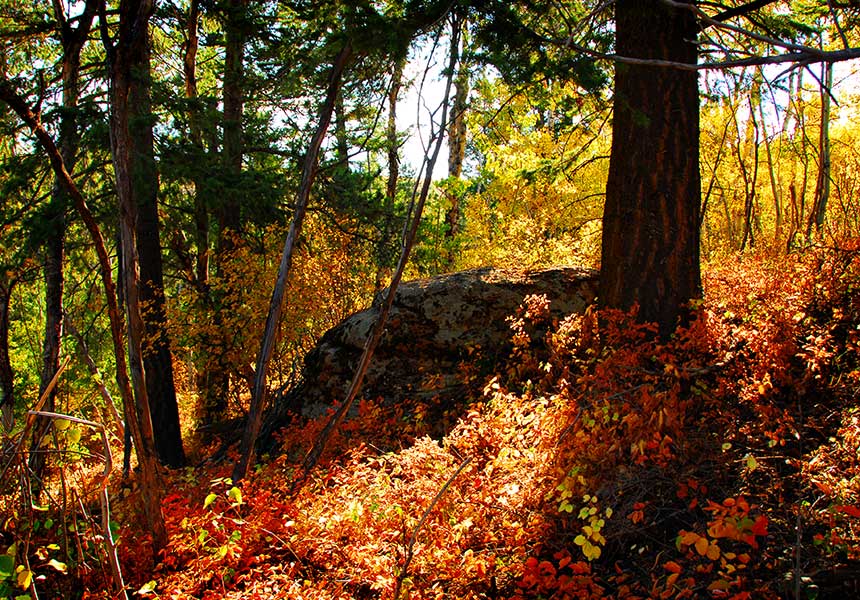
<point>599,462</point>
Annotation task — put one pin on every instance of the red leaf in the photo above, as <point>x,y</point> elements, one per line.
<point>851,511</point>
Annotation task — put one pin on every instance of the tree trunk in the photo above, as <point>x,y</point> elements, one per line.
<point>456,135</point>
<point>234,104</point>
<point>142,189</point>
<point>7,379</point>
<point>151,492</point>
<point>650,249</point>
<point>822,183</point>
<point>393,146</point>
<point>201,213</point>
<point>129,63</point>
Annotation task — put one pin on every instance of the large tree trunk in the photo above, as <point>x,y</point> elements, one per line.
<point>129,73</point>
<point>142,189</point>
<point>234,105</point>
<point>650,251</point>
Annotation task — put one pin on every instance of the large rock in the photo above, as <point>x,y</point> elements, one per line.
<point>436,326</point>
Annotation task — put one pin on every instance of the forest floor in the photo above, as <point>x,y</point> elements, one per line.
<point>597,463</point>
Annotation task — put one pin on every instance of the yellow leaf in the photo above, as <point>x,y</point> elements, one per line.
<point>24,577</point>
<point>61,424</point>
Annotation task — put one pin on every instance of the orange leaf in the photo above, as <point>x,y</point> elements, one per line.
<point>672,567</point>
<point>702,546</point>
<point>713,551</point>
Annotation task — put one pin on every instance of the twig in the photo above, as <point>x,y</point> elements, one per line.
<point>28,422</point>
<point>94,371</point>
<point>410,547</point>
<point>110,545</point>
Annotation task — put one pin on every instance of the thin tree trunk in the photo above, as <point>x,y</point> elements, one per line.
<point>216,370</point>
<point>309,172</point>
<point>7,377</point>
<point>822,184</point>
<point>201,214</point>
<point>410,231</point>
<point>393,145</point>
<point>72,40</point>
<point>750,180</point>
<point>456,134</point>
<point>84,350</point>
<point>211,377</point>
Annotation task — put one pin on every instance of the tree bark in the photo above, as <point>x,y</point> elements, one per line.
<point>201,213</point>
<point>133,123</point>
<point>7,378</point>
<point>392,143</point>
<point>128,62</point>
<point>650,248</point>
<point>822,183</point>
<point>456,134</point>
<point>234,105</point>
<point>150,487</point>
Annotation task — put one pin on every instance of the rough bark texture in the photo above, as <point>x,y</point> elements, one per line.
<point>126,64</point>
<point>434,325</point>
<point>142,189</point>
<point>234,103</point>
<point>650,251</point>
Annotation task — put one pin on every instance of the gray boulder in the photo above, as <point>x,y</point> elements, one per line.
<point>435,327</point>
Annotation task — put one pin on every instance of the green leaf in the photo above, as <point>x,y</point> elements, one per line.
<point>62,424</point>
<point>235,495</point>
<point>752,463</point>
<point>7,566</point>
<point>209,500</point>
<point>73,435</point>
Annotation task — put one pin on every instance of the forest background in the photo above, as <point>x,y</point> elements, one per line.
<point>155,156</point>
